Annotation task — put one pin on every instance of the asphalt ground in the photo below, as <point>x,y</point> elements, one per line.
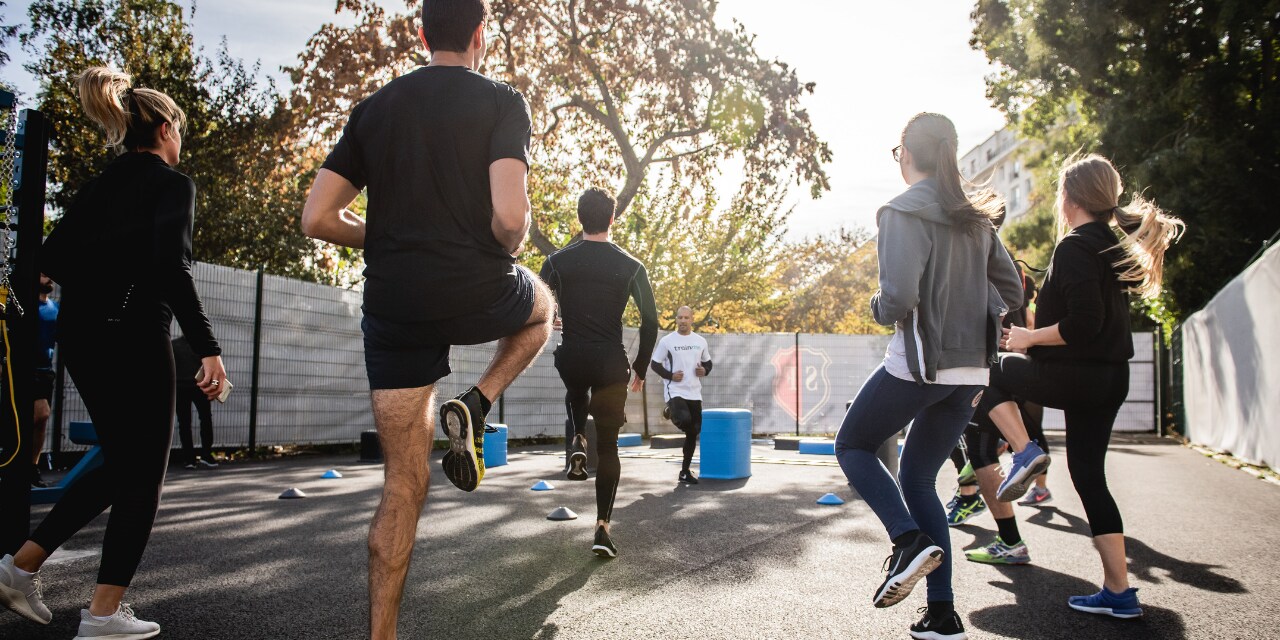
<point>753,558</point>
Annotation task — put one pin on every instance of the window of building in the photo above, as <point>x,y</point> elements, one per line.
<point>1014,198</point>
<point>1017,168</point>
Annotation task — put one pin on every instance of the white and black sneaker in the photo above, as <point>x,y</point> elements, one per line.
<point>906,566</point>
<point>462,419</point>
<point>121,625</point>
<point>944,628</point>
<point>603,546</point>
<point>22,593</point>
<point>578,459</point>
<point>687,477</point>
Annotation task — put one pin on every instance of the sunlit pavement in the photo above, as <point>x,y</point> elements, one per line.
<point>753,558</point>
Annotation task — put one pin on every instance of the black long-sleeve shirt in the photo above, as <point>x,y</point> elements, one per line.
<point>122,252</point>
<point>592,282</point>
<point>1083,295</point>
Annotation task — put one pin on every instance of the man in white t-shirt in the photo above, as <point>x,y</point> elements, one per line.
<point>682,359</point>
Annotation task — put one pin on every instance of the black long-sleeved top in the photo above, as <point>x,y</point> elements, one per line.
<point>129,227</point>
<point>1083,295</point>
<point>592,282</point>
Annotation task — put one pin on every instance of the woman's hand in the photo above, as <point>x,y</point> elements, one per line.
<point>214,378</point>
<point>1017,339</point>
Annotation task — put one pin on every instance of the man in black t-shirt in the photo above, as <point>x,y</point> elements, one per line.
<point>593,279</point>
<point>443,152</point>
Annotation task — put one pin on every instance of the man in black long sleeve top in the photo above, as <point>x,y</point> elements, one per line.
<point>593,279</point>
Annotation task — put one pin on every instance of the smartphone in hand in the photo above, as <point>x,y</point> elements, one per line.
<point>226,386</point>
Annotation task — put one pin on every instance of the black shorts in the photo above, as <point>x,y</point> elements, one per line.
<point>406,355</point>
<point>44,384</point>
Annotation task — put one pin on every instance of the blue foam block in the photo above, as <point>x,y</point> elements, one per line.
<point>830,498</point>
<point>629,440</point>
<point>818,447</point>
<point>542,485</point>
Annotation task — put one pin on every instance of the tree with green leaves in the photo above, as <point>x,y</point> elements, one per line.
<point>251,179</point>
<point>1183,96</point>
<point>645,98</point>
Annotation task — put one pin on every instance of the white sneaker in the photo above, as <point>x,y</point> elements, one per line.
<point>22,594</point>
<point>122,625</point>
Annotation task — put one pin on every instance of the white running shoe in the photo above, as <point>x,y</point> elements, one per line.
<point>122,625</point>
<point>22,594</point>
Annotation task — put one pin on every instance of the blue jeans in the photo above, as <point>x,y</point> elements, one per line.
<point>884,406</point>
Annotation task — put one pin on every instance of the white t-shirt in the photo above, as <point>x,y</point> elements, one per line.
<point>895,362</point>
<point>682,353</point>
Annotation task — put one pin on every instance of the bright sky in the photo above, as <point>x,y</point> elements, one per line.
<point>875,64</point>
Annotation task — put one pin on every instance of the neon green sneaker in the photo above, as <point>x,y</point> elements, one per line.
<point>1000,553</point>
<point>967,475</point>
<point>964,508</point>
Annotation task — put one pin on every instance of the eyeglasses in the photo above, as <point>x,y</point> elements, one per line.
<point>897,153</point>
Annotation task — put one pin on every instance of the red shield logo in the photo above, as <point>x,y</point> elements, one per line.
<point>800,383</point>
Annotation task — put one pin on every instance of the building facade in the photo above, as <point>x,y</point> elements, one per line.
<point>998,164</point>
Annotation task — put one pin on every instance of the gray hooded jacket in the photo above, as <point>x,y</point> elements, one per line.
<point>944,289</point>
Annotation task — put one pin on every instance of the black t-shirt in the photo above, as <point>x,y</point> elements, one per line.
<point>422,145</point>
<point>592,282</point>
<point>1084,297</point>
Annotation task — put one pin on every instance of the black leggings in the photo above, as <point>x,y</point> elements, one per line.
<point>687,416</point>
<point>595,379</point>
<point>126,381</point>
<point>187,395</point>
<point>1090,395</point>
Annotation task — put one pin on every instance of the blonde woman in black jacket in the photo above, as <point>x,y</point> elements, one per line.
<point>122,254</point>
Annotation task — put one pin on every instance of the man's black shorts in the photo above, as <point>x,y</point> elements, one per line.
<point>405,355</point>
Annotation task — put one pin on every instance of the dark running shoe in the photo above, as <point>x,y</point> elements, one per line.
<point>578,459</point>
<point>462,420</point>
<point>1117,605</point>
<point>36,480</point>
<point>206,464</point>
<point>943,628</point>
<point>687,477</point>
<point>603,546</point>
<point>906,566</point>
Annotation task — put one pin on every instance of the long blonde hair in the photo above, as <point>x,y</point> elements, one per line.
<point>931,138</point>
<point>128,116</point>
<point>1092,183</point>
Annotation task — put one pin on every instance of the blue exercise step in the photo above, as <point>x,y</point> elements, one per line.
<point>629,440</point>
<point>80,433</point>
<point>818,447</point>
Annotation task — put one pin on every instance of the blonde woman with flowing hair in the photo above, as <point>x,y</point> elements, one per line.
<point>1077,359</point>
<point>122,254</point>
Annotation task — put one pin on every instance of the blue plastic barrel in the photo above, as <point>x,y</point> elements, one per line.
<point>495,446</point>
<point>629,440</point>
<point>726,444</point>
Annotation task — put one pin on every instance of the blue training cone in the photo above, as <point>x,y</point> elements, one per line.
<point>542,485</point>
<point>331,474</point>
<point>831,499</point>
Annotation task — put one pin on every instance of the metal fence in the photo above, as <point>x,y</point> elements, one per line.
<point>311,385</point>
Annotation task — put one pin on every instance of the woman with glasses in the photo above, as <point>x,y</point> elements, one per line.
<point>1077,359</point>
<point>945,281</point>
<point>122,254</point>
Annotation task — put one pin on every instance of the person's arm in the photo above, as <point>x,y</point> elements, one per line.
<point>1074,270</point>
<point>171,261</point>
<point>508,171</point>
<point>902,251</point>
<point>511,209</point>
<point>662,371</point>
<point>326,217</point>
<point>642,293</point>
<point>1002,273</point>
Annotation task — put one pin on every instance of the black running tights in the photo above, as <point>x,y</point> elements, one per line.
<point>593,387</point>
<point>687,416</point>
<point>126,382</point>
<point>1090,396</point>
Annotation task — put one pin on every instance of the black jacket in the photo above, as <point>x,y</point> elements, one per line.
<point>122,254</point>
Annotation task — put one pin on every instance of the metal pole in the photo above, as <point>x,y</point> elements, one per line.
<point>257,356</point>
<point>644,407</point>
<point>59,393</point>
<point>1157,347</point>
<point>15,485</point>
<point>797,383</point>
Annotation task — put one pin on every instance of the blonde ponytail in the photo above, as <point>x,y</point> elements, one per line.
<point>128,116</point>
<point>1148,232</point>
<point>1093,184</point>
